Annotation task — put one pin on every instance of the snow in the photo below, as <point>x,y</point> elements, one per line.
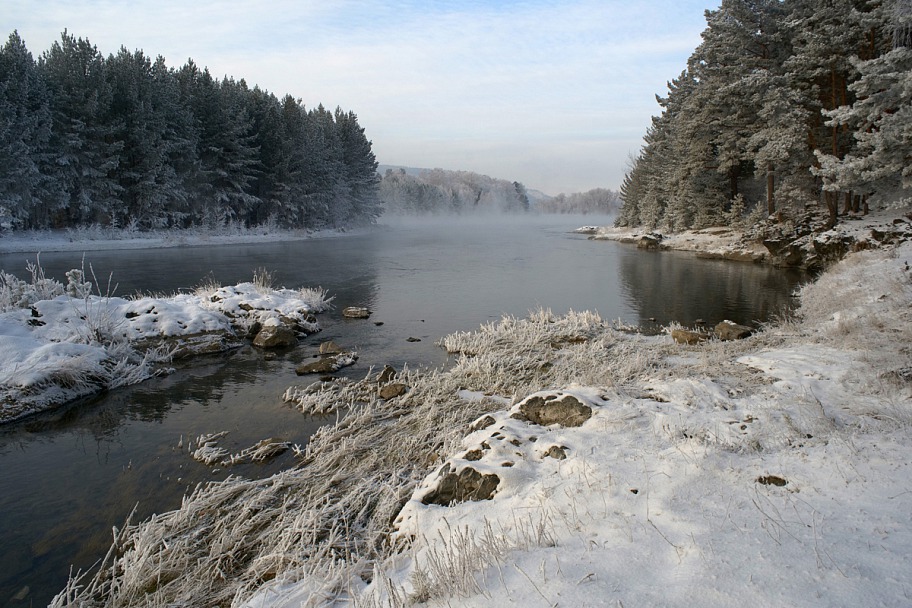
<point>56,350</point>
<point>771,472</point>
<point>97,238</point>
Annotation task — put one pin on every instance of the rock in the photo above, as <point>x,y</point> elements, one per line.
<point>727,330</point>
<point>410,339</point>
<point>356,312</point>
<point>482,423</point>
<point>275,336</point>
<point>386,374</point>
<point>564,410</point>
<point>686,336</point>
<point>771,480</point>
<point>327,365</point>
<point>650,241</point>
<point>468,484</point>
<point>556,451</point>
<point>393,390</point>
<point>255,328</point>
<point>330,348</point>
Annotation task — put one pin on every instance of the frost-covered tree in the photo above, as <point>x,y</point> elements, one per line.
<point>85,146</point>
<point>27,191</point>
<point>437,191</point>
<point>126,141</point>
<point>778,105</point>
<point>879,167</point>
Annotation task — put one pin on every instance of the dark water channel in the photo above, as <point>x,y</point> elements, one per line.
<point>67,477</point>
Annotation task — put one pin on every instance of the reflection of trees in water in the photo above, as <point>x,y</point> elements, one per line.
<point>672,286</point>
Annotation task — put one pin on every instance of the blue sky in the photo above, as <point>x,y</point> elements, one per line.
<point>556,95</point>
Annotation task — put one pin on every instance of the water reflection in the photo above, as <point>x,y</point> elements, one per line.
<point>674,286</point>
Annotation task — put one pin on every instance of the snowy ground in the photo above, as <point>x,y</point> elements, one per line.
<point>729,243</point>
<point>61,342</point>
<point>97,238</point>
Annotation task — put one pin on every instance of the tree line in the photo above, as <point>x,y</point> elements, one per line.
<point>438,191</point>
<point>597,201</point>
<point>785,104</point>
<point>126,141</point>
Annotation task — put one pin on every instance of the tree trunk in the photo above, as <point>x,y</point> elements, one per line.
<point>770,187</point>
<point>832,203</point>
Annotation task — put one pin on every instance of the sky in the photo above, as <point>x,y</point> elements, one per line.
<point>556,95</point>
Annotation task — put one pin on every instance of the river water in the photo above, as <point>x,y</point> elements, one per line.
<point>68,477</point>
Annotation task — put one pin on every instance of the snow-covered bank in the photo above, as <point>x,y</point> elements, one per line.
<point>804,241</point>
<point>61,342</point>
<point>96,238</point>
<point>768,471</point>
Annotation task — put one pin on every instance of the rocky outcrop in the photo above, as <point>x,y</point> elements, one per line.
<point>392,390</point>
<point>650,241</point>
<point>565,410</point>
<point>468,484</point>
<point>728,330</point>
<point>275,336</point>
<point>327,365</point>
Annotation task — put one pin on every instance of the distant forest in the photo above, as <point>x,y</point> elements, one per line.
<point>785,105</point>
<point>126,141</point>
<point>438,192</point>
<point>442,192</point>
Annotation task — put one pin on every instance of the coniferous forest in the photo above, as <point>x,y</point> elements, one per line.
<point>785,105</point>
<point>126,141</point>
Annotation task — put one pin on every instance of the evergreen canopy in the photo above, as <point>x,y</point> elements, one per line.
<point>127,141</point>
<point>785,103</point>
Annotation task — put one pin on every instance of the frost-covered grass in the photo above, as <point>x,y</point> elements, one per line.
<point>61,342</point>
<point>770,471</point>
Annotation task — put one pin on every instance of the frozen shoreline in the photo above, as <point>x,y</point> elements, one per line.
<point>102,239</point>
<point>768,471</point>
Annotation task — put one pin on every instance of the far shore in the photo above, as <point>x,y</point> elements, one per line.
<point>103,239</point>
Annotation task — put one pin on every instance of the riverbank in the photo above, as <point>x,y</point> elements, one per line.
<point>99,238</point>
<point>803,242</point>
<point>769,470</point>
<point>63,342</point>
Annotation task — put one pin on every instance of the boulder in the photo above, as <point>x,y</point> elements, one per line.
<point>386,374</point>
<point>392,390</point>
<point>468,484</point>
<point>327,365</point>
<point>557,452</point>
<point>330,348</point>
<point>727,330</point>
<point>565,410</point>
<point>687,336</point>
<point>650,241</point>
<point>275,336</point>
<point>356,312</point>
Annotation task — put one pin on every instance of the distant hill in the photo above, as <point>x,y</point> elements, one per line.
<point>416,190</point>
<point>413,191</point>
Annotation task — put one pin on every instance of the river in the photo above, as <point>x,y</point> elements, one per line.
<point>69,476</point>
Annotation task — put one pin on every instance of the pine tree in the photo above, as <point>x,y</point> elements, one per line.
<point>86,151</point>
<point>28,193</point>
<point>879,168</point>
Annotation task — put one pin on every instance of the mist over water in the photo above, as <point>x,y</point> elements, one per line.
<point>68,476</point>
